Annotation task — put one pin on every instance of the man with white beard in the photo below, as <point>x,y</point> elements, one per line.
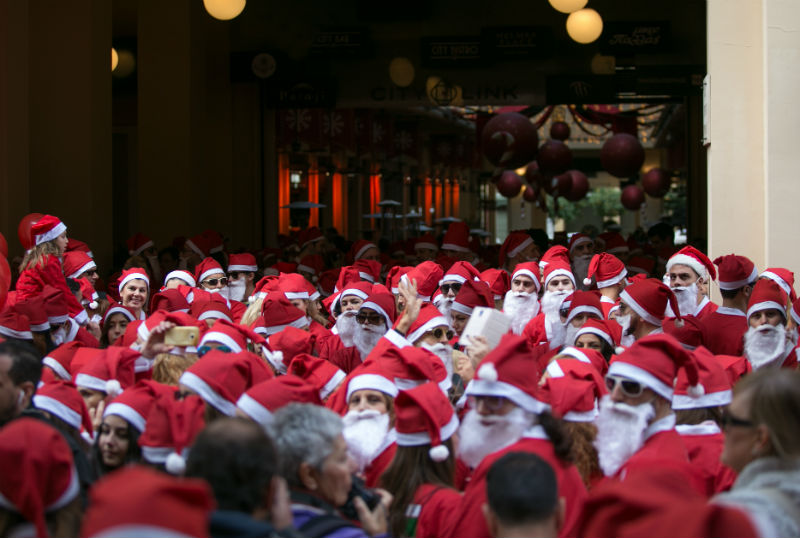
<point>766,342</point>
<point>641,309</point>
<point>348,302</point>
<point>521,302</point>
<point>451,283</point>
<point>584,305</point>
<point>581,249</point>
<point>636,424</point>
<point>548,327</point>
<point>689,272</point>
<point>609,276</point>
<point>507,415</point>
<point>374,318</point>
<point>242,270</point>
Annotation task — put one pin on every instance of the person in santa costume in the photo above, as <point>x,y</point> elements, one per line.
<point>689,273</point>
<point>547,327</point>
<point>506,414</point>
<point>766,342</point>
<point>519,247</point>
<point>581,250</point>
<point>521,302</point>
<point>724,329</point>
<point>607,273</point>
<point>642,308</point>
<point>452,281</point>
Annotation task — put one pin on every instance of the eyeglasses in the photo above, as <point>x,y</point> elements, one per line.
<point>214,281</point>
<point>446,288</point>
<point>728,420</point>
<point>233,275</point>
<point>374,319</point>
<point>632,389</point>
<point>202,350</point>
<point>492,403</point>
<point>438,333</point>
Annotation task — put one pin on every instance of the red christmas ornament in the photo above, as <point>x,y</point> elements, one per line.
<point>554,158</point>
<point>656,182</point>
<point>5,280</point>
<point>24,229</point>
<point>509,184</point>
<point>530,194</point>
<point>509,140</point>
<point>632,197</point>
<point>559,130</point>
<point>563,184</point>
<point>3,246</point>
<point>622,155</point>
<point>532,174</point>
<point>579,186</point>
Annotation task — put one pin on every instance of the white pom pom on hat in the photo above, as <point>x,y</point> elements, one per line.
<point>439,453</point>
<point>488,372</point>
<point>587,281</point>
<point>93,305</point>
<point>695,391</point>
<point>175,464</point>
<point>113,387</point>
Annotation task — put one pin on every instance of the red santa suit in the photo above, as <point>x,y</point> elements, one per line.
<point>723,331</point>
<point>468,521</point>
<point>373,471</point>
<point>606,303</point>
<point>704,446</point>
<point>33,280</point>
<point>704,309</point>
<point>431,507</point>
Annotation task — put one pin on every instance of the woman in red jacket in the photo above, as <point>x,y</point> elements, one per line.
<point>42,265</point>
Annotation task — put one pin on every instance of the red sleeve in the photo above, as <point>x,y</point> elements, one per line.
<point>32,281</point>
<point>436,509</point>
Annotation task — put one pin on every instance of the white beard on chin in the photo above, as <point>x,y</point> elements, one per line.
<point>687,300</point>
<point>620,432</point>
<point>570,334</point>
<point>444,352</point>
<point>346,326</point>
<point>551,304</point>
<point>364,432</point>
<point>237,289</point>
<point>480,436</point>
<point>366,338</point>
<point>765,345</point>
<point>521,307</point>
<point>580,268</point>
<point>444,307</point>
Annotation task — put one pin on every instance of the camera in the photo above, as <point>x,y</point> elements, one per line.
<point>359,489</point>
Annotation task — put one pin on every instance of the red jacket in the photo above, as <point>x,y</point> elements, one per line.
<point>32,281</point>
<point>704,446</point>
<point>723,331</point>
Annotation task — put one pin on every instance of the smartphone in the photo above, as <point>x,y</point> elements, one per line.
<point>182,336</point>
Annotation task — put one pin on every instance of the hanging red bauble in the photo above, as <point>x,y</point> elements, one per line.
<point>559,130</point>
<point>622,155</point>
<point>509,184</point>
<point>532,174</point>
<point>563,184</point>
<point>579,186</point>
<point>530,194</point>
<point>509,140</point>
<point>5,280</point>
<point>24,229</point>
<point>554,158</point>
<point>632,197</point>
<point>3,246</point>
<point>656,182</point>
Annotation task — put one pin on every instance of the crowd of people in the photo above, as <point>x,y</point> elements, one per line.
<point>328,389</point>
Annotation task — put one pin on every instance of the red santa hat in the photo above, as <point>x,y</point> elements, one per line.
<point>557,268</point>
<point>347,276</point>
<point>327,280</point>
<point>313,263</point>
<point>293,285</point>
<point>359,248</point>
<point>428,275</point>
<point>515,242</point>
<point>233,336</point>
<point>89,296</point>
<point>322,374</point>
<point>410,366</point>
<point>688,331</point>
<point>134,403</point>
<point>76,244</point>
<point>171,300</point>
<point>654,361</point>
<point>585,302</point>
<point>83,355</point>
<point>121,504</point>
<point>556,253</point>
<point>278,313</point>
<point>393,278</point>
<point>506,372</point>
<point>498,280</point>
<point>599,328</point>
<point>242,262</point>
<point>715,381</point>
<point>695,259</point>
<point>767,295</point>
<point>649,299</point>
<point>456,237</point>
<point>182,275</point>
<point>641,264</point>
<point>260,401</point>
<point>77,262</point>
<point>578,239</point>
<point>369,270</point>
<point>585,355</point>
<point>428,319</point>
<point>15,325</point>
<point>119,309</point>
<point>360,289</point>
<point>110,371</point>
<point>735,367</point>
<point>286,345</point>
<point>55,305</point>
<point>460,272</point>
<point>382,302</point>
<point>60,358</point>
<point>219,378</point>
<point>38,471</point>
<point>735,272</point>
<point>138,244</point>
<point>531,270</point>
<point>47,229</point>
<point>206,268</point>
<point>62,399</point>
<point>424,416</point>
<point>615,243</point>
<point>215,241</point>
<point>134,273</point>
<point>426,241</point>
<point>370,375</point>
<point>309,235</point>
<point>33,308</point>
<point>205,310</point>
<point>573,389</point>
<point>170,430</point>
<point>784,278</point>
<point>473,294</point>
<point>606,269</point>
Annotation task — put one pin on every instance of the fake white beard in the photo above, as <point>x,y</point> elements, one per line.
<point>366,338</point>
<point>58,336</point>
<point>620,432</point>
<point>445,353</point>
<point>346,326</point>
<point>237,289</point>
<point>765,345</point>
<point>551,302</point>
<point>521,307</point>
<point>223,292</point>
<point>444,307</point>
<point>687,300</point>
<point>364,432</point>
<point>580,268</point>
<point>480,436</point>
<point>570,334</point>
<point>627,332</point>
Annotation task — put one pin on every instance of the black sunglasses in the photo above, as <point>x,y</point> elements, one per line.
<point>215,281</point>
<point>727,420</point>
<point>438,333</point>
<point>374,319</point>
<point>630,388</point>
<point>454,286</point>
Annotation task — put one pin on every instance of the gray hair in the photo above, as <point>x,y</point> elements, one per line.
<point>304,433</point>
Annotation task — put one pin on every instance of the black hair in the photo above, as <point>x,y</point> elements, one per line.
<point>26,364</point>
<point>731,294</point>
<point>133,455</point>
<point>237,459</point>
<point>521,488</point>
<point>661,230</point>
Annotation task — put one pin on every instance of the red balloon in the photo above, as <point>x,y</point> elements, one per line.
<point>559,130</point>
<point>579,187</point>
<point>509,184</point>
<point>554,158</point>
<point>530,194</point>
<point>532,173</point>
<point>622,155</point>
<point>563,184</point>
<point>509,140</point>
<point>24,229</point>
<point>5,280</point>
<point>632,197</point>
<point>656,182</point>
<point>3,246</point>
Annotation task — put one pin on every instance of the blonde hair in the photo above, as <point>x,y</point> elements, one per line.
<point>168,368</point>
<point>36,256</point>
<point>252,312</point>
